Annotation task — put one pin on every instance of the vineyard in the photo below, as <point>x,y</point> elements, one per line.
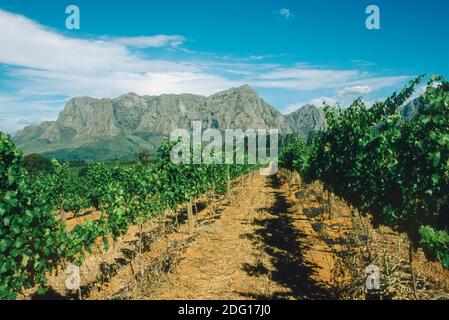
<point>34,240</point>
<point>391,169</point>
<point>382,164</point>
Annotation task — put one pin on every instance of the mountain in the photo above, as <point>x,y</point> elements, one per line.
<point>305,119</point>
<point>409,110</point>
<point>99,129</point>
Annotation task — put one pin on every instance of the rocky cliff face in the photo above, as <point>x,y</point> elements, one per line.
<point>410,109</point>
<point>305,119</point>
<point>117,128</point>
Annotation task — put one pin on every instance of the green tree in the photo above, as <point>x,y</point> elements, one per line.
<point>35,163</point>
<point>144,156</point>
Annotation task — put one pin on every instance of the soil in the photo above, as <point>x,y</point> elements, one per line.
<point>270,238</point>
<point>261,248</point>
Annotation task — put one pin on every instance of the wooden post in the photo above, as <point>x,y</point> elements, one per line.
<point>190,214</point>
<point>63,214</point>
<point>323,199</point>
<point>229,179</point>
<point>140,238</point>
<point>177,219</point>
<point>412,271</point>
<point>329,204</point>
<point>196,207</point>
<point>366,231</point>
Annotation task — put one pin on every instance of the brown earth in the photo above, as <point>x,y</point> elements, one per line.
<point>272,238</point>
<point>261,248</point>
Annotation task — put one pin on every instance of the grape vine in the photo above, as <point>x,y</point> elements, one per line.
<point>33,236</point>
<point>394,168</point>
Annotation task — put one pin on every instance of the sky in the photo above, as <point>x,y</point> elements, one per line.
<point>291,52</point>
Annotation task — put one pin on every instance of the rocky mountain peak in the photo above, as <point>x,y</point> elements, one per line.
<point>119,127</point>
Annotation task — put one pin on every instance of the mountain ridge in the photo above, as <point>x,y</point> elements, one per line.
<point>100,129</point>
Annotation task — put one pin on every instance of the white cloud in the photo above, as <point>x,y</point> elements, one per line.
<point>49,63</point>
<point>303,77</point>
<point>371,102</point>
<point>362,63</point>
<point>377,83</point>
<point>355,90</point>
<point>420,90</point>
<point>156,41</point>
<point>15,112</point>
<point>43,64</point>
<point>320,101</point>
<point>316,102</point>
<point>285,13</point>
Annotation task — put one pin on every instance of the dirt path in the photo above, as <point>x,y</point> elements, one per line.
<point>260,248</point>
<point>266,240</point>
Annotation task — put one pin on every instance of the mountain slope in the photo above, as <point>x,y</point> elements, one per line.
<point>306,119</point>
<point>99,129</point>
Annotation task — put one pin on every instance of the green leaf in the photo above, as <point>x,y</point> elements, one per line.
<point>435,178</point>
<point>25,260</point>
<point>435,158</point>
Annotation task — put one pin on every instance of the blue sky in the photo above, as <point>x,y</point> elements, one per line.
<point>291,52</point>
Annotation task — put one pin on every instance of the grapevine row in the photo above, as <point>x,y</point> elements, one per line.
<point>379,162</point>
<point>33,237</point>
